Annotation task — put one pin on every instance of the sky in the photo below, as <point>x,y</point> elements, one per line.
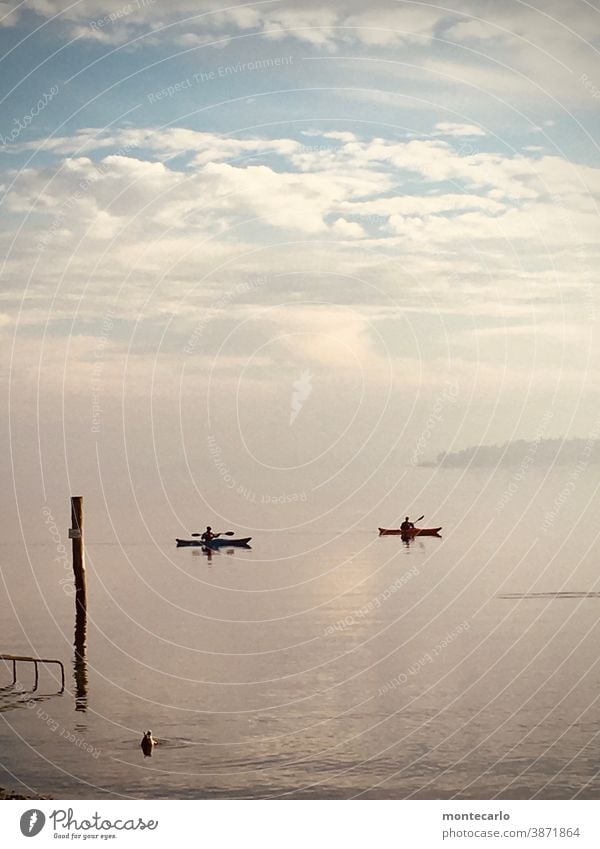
<point>277,247</point>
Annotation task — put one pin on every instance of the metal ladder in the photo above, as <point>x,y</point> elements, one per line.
<point>17,658</point>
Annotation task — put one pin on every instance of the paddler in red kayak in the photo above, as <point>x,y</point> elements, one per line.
<point>407,525</point>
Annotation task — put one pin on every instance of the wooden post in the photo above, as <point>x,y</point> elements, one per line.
<point>76,534</point>
<point>80,664</point>
<point>80,672</point>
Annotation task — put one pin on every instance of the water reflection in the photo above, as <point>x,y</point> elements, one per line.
<point>80,670</point>
<point>210,552</point>
<point>204,552</point>
<point>412,541</point>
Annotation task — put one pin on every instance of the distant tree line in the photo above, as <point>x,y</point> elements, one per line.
<point>545,452</point>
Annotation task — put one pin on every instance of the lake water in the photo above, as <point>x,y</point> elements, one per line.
<point>329,663</point>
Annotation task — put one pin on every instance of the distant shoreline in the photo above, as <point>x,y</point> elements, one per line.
<point>521,453</point>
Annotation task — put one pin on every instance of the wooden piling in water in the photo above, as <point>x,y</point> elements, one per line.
<point>80,663</point>
<point>76,534</point>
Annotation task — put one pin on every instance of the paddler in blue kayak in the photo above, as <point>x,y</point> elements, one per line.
<point>407,525</point>
<point>207,535</point>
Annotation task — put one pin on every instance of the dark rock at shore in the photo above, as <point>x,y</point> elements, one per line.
<point>8,795</point>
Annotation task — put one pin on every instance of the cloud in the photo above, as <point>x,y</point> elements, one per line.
<point>376,230</point>
<point>477,30</point>
<point>310,22</point>
<point>449,128</point>
<point>423,205</point>
<point>165,143</point>
<point>347,229</point>
<point>330,24</point>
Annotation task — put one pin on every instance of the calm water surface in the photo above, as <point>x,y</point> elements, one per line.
<point>335,664</point>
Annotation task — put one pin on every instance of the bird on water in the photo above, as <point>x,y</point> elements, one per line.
<point>147,744</point>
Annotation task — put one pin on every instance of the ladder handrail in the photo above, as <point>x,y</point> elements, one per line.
<point>15,658</point>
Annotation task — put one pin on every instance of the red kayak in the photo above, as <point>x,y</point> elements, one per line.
<point>411,532</point>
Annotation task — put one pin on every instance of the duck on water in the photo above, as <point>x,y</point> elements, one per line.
<point>148,743</point>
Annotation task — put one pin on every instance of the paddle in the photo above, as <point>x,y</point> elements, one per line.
<point>220,534</point>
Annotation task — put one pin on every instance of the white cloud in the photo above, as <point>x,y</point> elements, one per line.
<point>476,29</point>
<point>495,196</point>
<point>168,142</point>
<point>419,205</point>
<point>493,234</point>
<point>448,128</point>
<point>347,229</point>
<point>290,200</point>
<point>321,24</point>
